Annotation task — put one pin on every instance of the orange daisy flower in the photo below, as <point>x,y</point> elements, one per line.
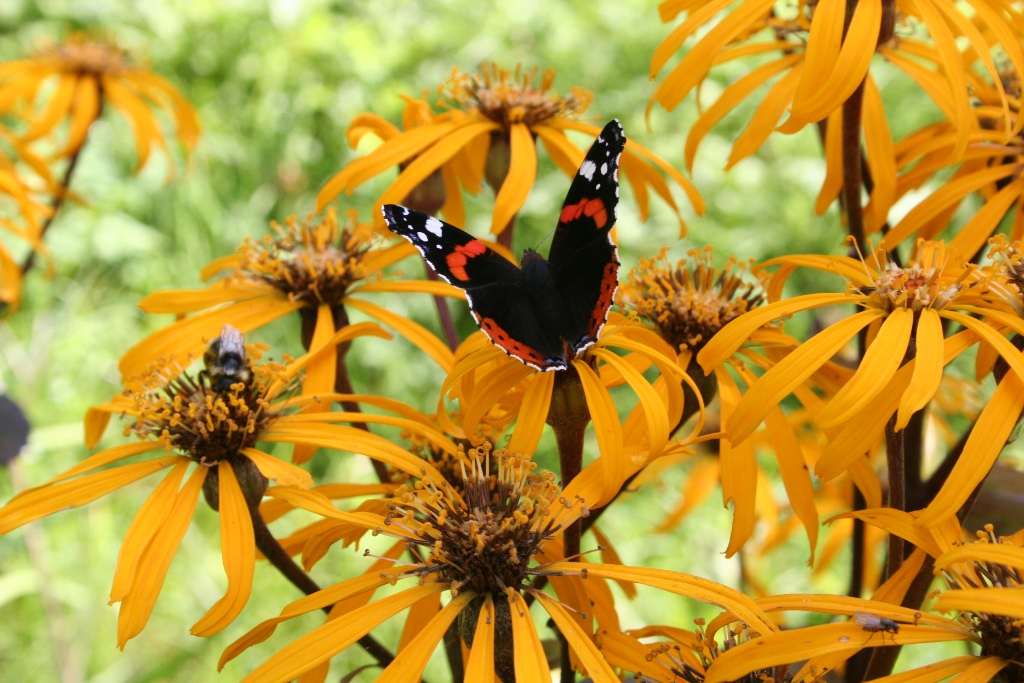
<point>483,547</point>
<point>90,73</point>
<point>486,131</point>
<point>315,267</point>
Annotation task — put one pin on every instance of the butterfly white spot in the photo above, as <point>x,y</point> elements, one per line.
<point>604,169</point>
<point>598,186</point>
<point>422,236</point>
<point>433,225</point>
<point>587,169</point>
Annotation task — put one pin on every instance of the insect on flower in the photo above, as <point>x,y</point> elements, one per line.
<point>225,360</point>
<point>875,624</point>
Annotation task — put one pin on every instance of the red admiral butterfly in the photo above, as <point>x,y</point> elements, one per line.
<point>545,311</point>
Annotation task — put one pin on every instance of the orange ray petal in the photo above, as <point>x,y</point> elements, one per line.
<point>516,186</point>
<point>238,552</point>
<point>147,522</point>
<point>481,656</point>
<point>579,640</point>
<point>331,638</point>
<point>531,664</point>
<point>881,361</point>
<point>410,665</point>
<point>156,559</point>
<point>47,500</point>
<point>532,414</point>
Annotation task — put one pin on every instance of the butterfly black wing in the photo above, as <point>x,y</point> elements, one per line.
<point>584,260</point>
<point>493,286</point>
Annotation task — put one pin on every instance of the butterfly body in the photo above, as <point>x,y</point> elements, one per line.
<point>546,310</point>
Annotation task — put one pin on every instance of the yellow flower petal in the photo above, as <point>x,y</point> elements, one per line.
<point>881,361</point>
<point>865,430</point>
<point>85,109</point>
<point>597,669</point>
<point>847,71</point>
<point>735,93</point>
<point>46,500</point>
<point>147,522</point>
<point>331,638</point>
<point>180,301</point>
<point>654,410</point>
<point>608,430</point>
<point>971,238</point>
<point>481,656</point>
<point>784,647</point>
<point>987,439</point>
<point>95,461</point>
<point>996,553</point>
<point>420,336</point>
<point>927,367</point>
<point>315,501</point>
<point>738,461</point>
<point>419,615</point>
<point>880,158</point>
<point>743,607</point>
<point>156,559</point>
<point>278,471</point>
<point>531,664</point>
<point>795,476</point>
<point>734,335</point>
<point>1008,602</point>
<point>413,660</point>
<point>791,372</point>
<point>430,160</point>
<point>766,117</point>
<point>393,152</point>
<point>533,413</point>
<point>901,524</point>
<point>695,65</point>
<point>522,172</point>
<point>320,374</point>
<point>326,597</point>
<point>946,197</point>
<point>931,673</point>
<point>412,286</point>
<point>238,551</point>
<point>55,110</point>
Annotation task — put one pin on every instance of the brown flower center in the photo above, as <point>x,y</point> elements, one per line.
<point>314,262</point>
<point>690,301</point>
<point>508,97</point>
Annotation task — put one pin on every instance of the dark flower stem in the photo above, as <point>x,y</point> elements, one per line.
<point>59,197</point>
<point>282,561</point>
<point>569,417</point>
<point>852,180</point>
<point>444,314</point>
<point>897,490</point>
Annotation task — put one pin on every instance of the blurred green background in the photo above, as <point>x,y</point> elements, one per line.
<point>276,83</point>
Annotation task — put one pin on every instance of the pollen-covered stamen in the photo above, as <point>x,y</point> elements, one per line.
<point>691,663</point>
<point>933,279</point>
<point>1007,271</point>
<point>1001,636</point>
<point>690,300</point>
<point>484,538</point>
<point>314,262</point>
<point>189,414</point>
<point>508,97</point>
